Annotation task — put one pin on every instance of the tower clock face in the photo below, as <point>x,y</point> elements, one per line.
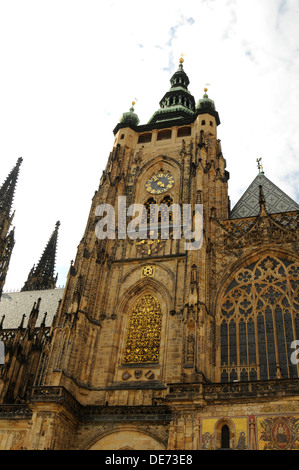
<point>159,183</point>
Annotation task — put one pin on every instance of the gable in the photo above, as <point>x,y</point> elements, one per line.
<point>276,200</point>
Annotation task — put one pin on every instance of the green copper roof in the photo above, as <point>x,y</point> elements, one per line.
<point>205,103</point>
<point>130,117</point>
<point>276,200</point>
<point>177,107</point>
<point>178,102</point>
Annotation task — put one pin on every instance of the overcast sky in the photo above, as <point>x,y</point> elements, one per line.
<point>70,68</point>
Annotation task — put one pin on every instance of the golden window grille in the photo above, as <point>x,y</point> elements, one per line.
<point>144,332</point>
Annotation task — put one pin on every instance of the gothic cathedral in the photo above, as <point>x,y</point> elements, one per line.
<point>159,343</point>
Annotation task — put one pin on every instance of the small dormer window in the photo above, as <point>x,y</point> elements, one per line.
<point>211,123</point>
<point>203,122</point>
<point>163,135</point>
<point>122,136</point>
<point>143,138</point>
<point>184,131</point>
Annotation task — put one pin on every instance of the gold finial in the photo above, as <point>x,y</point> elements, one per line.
<point>206,85</point>
<point>181,59</point>
<point>260,166</point>
<point>133,103</point>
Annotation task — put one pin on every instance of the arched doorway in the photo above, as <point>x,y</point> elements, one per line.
<point>127,439</point>
<point>225,437</point>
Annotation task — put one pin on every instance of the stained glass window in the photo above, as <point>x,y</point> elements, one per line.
<point>259,319</point>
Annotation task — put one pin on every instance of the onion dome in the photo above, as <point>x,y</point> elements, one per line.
<point>205,103</point>
<point>130,117</point>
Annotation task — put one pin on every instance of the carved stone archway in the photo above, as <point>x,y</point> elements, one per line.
<point>125,438</point>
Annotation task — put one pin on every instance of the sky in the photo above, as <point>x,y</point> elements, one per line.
<point>70,68</point>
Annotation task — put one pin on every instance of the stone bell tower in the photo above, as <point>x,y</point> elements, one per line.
<point>135,316</point>
<point>179,319</point>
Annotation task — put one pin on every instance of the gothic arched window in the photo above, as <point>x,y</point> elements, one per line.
<point>160,214</point>
<point>165,214</point>
<point>144,331</point>
<point>259,319</point>
<point>147,206</point>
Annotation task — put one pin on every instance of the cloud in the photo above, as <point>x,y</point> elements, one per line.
<point>190,21</point>
<point>70,70</point>
<point>282,7</point>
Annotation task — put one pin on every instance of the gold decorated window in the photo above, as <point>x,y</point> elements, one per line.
<point>259,320</point>
<point>144,331</point>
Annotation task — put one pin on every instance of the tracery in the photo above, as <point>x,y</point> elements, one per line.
<point>259,319</point>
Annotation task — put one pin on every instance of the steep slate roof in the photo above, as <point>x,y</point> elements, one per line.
<point>276,200</point>
<point>14,304</point>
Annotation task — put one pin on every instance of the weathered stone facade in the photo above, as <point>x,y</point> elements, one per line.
<point>155,346</point>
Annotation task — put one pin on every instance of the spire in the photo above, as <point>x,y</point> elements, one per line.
<point>33,315</point>
<point>262,201</point>
<point>42,277</point>
<point>7,190</point>
<point>178,102</point>
<point>6,235</point>
<point>6,247</point>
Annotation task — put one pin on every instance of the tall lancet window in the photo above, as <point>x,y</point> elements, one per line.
<point>144,331</point>
<point>259,320</point>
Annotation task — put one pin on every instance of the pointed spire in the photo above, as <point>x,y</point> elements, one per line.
<point>42,277</point>
<point>178,102</point>
<point>7,190</point>
<point>6,247</point>
<point>33,315</point>
<point>22,321</point>
<point>262,201</point>
<point>43,323</point>
<point>6,235</point>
